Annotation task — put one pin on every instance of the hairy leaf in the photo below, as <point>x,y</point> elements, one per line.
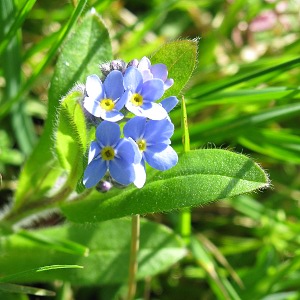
<point>200,177</point>
<point>88,46</point>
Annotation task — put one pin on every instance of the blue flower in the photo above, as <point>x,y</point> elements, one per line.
<point>111,153</point>
<point>149,71</point>
<point>169,103</point>
<point>104,100</point>
<point>153,140</point>
<point>139,96</point>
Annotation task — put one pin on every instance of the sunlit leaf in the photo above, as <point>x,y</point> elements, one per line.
<point>199,178</point>
<point>180,58</point>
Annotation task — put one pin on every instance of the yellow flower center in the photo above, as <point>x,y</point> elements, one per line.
<point>107,104</point>
<point>141,144</point>
<point>137,99</point>
<point>107,153</point>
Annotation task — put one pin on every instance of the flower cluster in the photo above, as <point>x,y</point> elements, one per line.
<point>128,94</point>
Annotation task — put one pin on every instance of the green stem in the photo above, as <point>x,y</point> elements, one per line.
<point>32,208</point>
<point>185,224</point>
<point>185,213</point>
<point>134,248</point>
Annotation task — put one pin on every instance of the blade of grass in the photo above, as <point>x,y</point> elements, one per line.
<point>229,127</point>
<point>209,89</point>
<point>18,21</point>
<point>62,245</point>
<point>22,125</point>
<point>22,289</point>
<point>244,96</point>
<point>36,270</point>
<point>205,260</point>
<point>185,217</point>
<point>6,107</point>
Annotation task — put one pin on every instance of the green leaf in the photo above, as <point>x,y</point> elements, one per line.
<point>31,272</point>
<point>200,177</point>
<point>17,23</point>
<point>15,288</point>
<point>21,123</point>
<point>180,58</point>
<point>4,109</point>
<point>223,127</point>
<point>277,144</point>
<point>83,52</point>
<point>108,259</point>
<point>228,81</point>
<point>87,47</point>
<point>245,96</point>
<point>54,243</point>
<point>72,136</point>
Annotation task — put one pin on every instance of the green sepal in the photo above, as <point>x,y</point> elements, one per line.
<point>71,139</point>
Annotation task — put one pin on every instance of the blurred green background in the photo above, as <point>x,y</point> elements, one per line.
<point>243,96</point>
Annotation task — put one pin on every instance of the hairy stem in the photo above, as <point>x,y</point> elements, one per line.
<point>133,264</point>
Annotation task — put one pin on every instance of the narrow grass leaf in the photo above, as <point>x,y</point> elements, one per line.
<point>216,130</point>
<point>205,260</point>
<point>277,144</point>
<point>22,124</point>
<point>62,245</point>
<point>244,96</point>
<point>200,91</point>
<point>17,23</point>
<point>5,108</point>
<point>22,289</point>
<point>30,272</point>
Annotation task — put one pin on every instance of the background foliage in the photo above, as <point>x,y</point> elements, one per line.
<point>243,96</point>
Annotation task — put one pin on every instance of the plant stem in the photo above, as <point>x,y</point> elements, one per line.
<point>133,264</point>
<point>185,214</point>
<point>185,224</point>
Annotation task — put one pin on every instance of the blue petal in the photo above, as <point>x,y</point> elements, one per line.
<point>137,153</point>
<point>147,75</point>
<point>159,71</point>
<point>168,83</point>
<point>152,111</point>
<point>158,131</point>
<point>161,157</point>
<point>123,100</point>
<point>113,85</point>
<point>94,151</point>
<point>94,172</point>
<point>94,87</point>
<point>169,103</point>
<point>133,80</point>
<point>121,172</point>
<point>92,106</point>
<point>153,89</point>
<point>135,128</point>
<point>137,110</point>
<point>108,133</point>
<point>140,175</point>
<point>144,63</point>
<point>112,116</point>
<point>128,151</point>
